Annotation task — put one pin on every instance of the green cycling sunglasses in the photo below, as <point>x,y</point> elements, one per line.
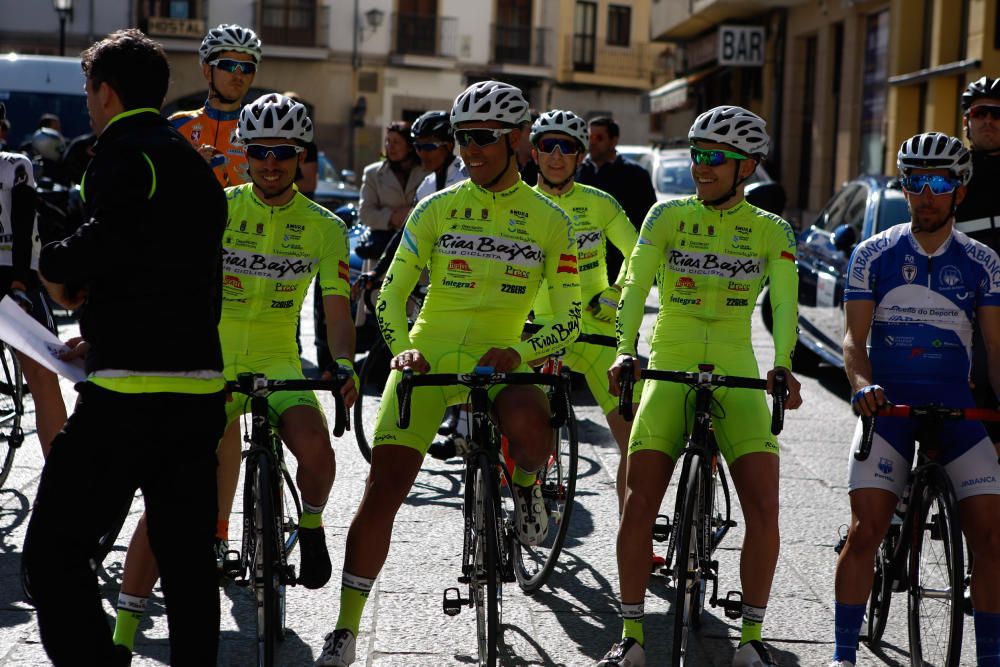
<point>713,157</point>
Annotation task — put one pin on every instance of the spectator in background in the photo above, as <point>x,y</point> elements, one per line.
<point>78,155</point>
<point>525,162</point>
<point>620,177</point>
<point>51,121</point>
<point>388,187</point>
<point>308,171</point>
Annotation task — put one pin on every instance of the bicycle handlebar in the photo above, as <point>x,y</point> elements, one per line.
<point>481,376</point>
<point>703,377</point>
<point>257,384</point>
<point>931,412</point>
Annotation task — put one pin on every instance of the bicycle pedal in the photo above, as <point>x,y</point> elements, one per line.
<point>231,564</point>
<point>732,605</point>
<point>464,579</point>
<point>661,528</point>
<point>453,602</point>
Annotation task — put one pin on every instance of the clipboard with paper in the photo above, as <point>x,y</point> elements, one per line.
<point>19,330</point>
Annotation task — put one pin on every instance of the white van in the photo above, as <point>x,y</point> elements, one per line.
<point>33,85</point>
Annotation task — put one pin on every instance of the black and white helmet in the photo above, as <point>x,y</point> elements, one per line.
<point>230,37</point>
<point>734,126</point>
<point>490,100</point>
<point>433,124</point>
<point>274,116</point>
<point>935,150</point>
<point>565,122</point>
<point>982,87</point>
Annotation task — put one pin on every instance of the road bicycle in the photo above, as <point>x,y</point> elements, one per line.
<point>702,510</point>
<point>271,505</point>
<point>11,409</point>
<point>489,539</point>
<point>922,554</point>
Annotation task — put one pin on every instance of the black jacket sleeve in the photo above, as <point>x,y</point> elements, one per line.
<point>22,220</point>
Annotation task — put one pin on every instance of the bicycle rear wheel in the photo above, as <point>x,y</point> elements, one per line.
<point>11,409</point>
<point>689,586</point>
<point>533,565</point>
<point>935,601</point>
<point>372,377</point>
<point>877,612</point>
<point>485,584</point>
<point>266,577</point>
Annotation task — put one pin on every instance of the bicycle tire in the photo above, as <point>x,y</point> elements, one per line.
<point>11,409</point>
<point>534,565</point>
<point>936,578</point>
<point>372,378</point>
<point>266,577</point>
<point>877,611</point>
<point>687,572</point>
<point>288,518</point>
<point>485,581</point>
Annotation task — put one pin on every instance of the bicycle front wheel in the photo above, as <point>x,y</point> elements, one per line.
<point>266,577</point>
<point>877,611</point>
<point>372,377</point>
<point>486,591</point>
<point>689,591</point>
<point>11,409</point>
<point>936,570</point>
<point>533,565</point>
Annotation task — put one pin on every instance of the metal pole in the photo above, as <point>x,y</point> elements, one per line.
<point>354,88</point>
<point>62,33</point>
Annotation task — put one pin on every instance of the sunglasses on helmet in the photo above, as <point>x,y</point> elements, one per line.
<point>229,65</point>
<point>939,185</point>
<point>280,152</point>
<point>481,136</point>
<point>713,158</point>
<point>565,146</point>
<point>983,110</point>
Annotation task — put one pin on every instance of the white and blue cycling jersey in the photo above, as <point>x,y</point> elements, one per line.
<point>925,304</point>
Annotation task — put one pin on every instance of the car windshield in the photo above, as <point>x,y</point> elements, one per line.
<point>674,177</point>
<point>327,172</point>
<point>893,209</point>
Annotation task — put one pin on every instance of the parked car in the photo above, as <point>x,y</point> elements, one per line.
<point>333,186</point>
<point>671,171</point>
<point>641,154</point>
<point>863,207</point>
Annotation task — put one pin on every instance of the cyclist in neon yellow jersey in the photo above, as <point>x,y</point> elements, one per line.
<point>488,242</point>
<point>276,241</point>
<point>559,140</point>
<point>717,251</point>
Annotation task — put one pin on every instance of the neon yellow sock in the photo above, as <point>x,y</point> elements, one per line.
<point>310,520</point>
<point>522,478</point>
<point>753,620</point>
<point>131,609</point>
<point>354,593</point>
<point>632,617</point>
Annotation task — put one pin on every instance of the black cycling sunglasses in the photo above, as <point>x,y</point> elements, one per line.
<point>280,152</point>
<point>229,65</point>
<point>565,146</point>
<point>482,136</point>
<point>983,110</point>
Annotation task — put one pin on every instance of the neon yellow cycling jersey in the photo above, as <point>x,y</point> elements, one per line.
<point>488,253</point>
<point>269,256</point>
<point>596,216</point>
<point>715,263</point>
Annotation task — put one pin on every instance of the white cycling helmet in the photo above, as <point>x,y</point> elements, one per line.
<point>230,37</point>
<point>565,122</point>
<point>935,150</point>
<point>490,100</point>
<point>734,126</point>
<point>274,116</point>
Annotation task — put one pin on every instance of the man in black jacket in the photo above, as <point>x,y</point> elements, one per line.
<point>623,179</point>
<point>979,213</point>
<point>146,270</point>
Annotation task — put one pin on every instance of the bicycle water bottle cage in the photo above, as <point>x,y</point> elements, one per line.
<point>661,528</point>
<point>453,602</point>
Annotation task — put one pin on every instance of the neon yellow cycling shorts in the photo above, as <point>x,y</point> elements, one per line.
<point>593,361</point>
<point>275,368</point>
<point>740,417</point>
<point>428,404</point>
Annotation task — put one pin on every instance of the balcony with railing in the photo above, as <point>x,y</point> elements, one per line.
<point>522,45</point>
<point>295,23</point>
<point>587,60</point>
<point>424,35</point>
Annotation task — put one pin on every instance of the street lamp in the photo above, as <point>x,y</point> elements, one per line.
<point>373,19</point>
<point>65,10</point>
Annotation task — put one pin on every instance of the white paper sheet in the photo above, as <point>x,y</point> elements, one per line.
<point>19,330</point>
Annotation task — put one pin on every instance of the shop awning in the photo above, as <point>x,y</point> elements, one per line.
<point>674,94</point>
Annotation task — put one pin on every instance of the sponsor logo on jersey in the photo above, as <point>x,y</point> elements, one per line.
<point>295,228</point>
<point>513,289</point>
<point>461,284</point>
<point>950,278</point>
<point>260,227</point>
<point>468,213</point>
<point>740,229</point>
<point>734,302</point>
<point>587,254</point>
<point>284,287</point>
<point>685,282</point>
<point>711,264</point>
<point>454,213</point>
<point>233,281</point>
<point>282,304</point>
<point>680,227</point>
<point>580,210</point>
<point>518,214</point>
<point>243,225</point>
<point>459,265</point>
<point>865,254</point>
<point>292,246</point>
<point>589,240</point>
<point>264,266</point>
<point>489,247</point>
<point>737,287</point>
<point>515,272</point>
<point>988,479</point>
<point>685,301</point>
<point>590,265</point>
<point>291,237</point>
<point>343,270</point>
<point>885,465</point>
<point>567,264</point>
<point>485,214</point>
<point>196,134</point>
<point>909,272</point>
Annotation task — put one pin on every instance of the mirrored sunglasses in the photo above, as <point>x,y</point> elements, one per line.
<point>713,158</point>
<point>229,65</point>
<point>939,185</point>
<point>983,110</point>
<point>280,152</point>
<point>482,136</point>
<point>565,146</point>
<point>426,147</point>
